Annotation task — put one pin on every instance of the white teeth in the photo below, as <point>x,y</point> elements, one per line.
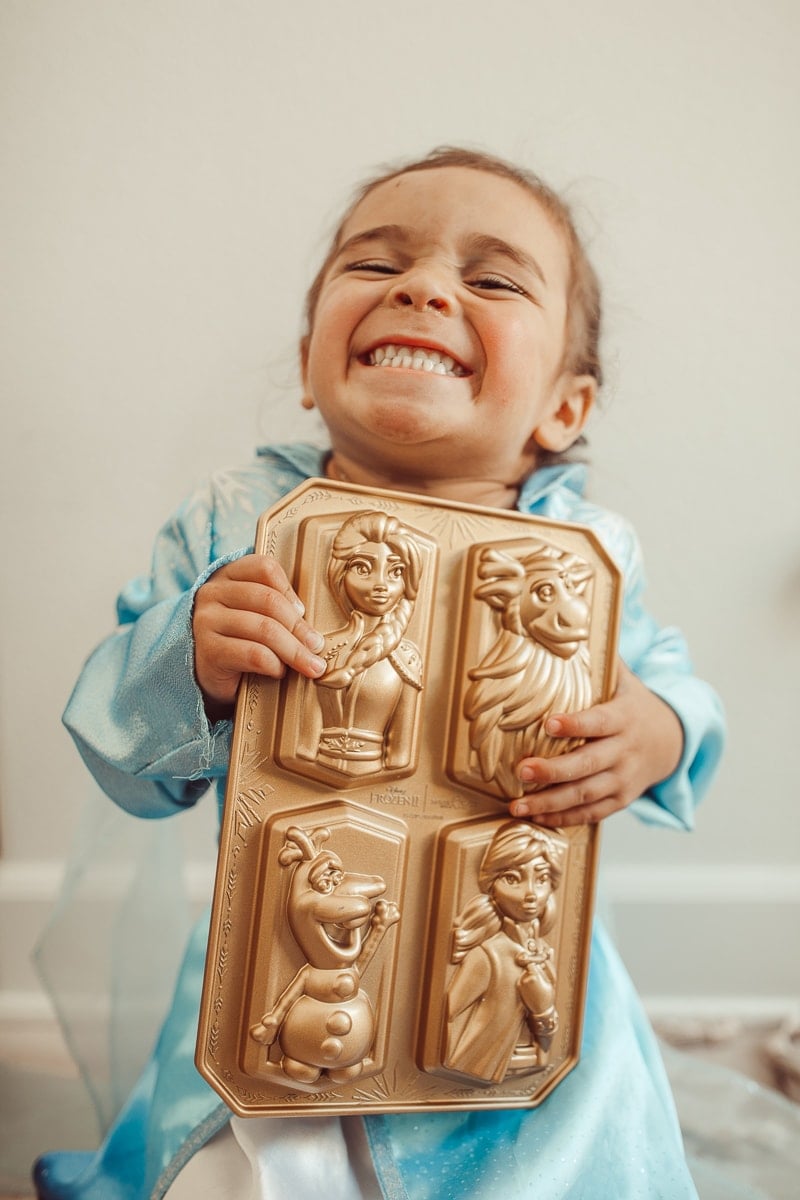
<point>417,357</point>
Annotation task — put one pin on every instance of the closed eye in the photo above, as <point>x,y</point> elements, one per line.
<point>497,283</point>
<point>375,268</point>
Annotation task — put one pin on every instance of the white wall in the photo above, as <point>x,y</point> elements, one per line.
<point>171,170</point>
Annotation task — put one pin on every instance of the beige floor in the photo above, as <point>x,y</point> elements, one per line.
<point>43,1104</point>
<point>41,1098</point>
<point>751,1048</point>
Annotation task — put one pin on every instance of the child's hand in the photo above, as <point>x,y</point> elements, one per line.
<point>633,741</point>
<point>247,618</point>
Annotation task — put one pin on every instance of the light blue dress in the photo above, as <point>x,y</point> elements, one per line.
<point>609,1130</point>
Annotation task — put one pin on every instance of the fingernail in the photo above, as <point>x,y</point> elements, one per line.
<point>317,665</point>
<point>520,810</point>
<point>527,774</point>
<point>314,640</point>
<point>553,725</point>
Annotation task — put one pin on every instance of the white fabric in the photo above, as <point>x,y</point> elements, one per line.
<point>277,1158</point>
<point>299,1157</point>
<point>217,1172</point>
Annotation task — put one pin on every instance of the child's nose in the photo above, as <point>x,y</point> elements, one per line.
<point>421,290</point>
<point>405,299</point>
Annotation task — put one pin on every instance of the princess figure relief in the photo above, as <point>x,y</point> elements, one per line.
<point>366,701</point>
<point>501,1001</point>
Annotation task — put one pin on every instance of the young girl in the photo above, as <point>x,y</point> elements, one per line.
<point>452,349</point>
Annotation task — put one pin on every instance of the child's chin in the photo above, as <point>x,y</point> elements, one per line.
<point>408,429</point>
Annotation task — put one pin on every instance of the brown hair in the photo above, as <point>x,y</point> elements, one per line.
<point>582,335</point>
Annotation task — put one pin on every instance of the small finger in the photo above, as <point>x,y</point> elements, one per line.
<point>555,801</point>
<point>282,650</point>
<point>296,647</point>
<point>582,814</point>
<point>257,643</point>
<point>581,763</point>
<point>595,722</point>
<point>267,571</point>
<point>268,603</point>
<point>310,637</point>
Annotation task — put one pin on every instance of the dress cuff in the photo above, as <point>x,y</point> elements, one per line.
<point>672,802</point>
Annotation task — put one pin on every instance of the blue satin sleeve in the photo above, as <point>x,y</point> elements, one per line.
<point>660,657</point>
<point>136,713</point>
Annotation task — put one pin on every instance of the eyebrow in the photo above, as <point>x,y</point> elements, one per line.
<point>478,245</point>
<point>487,243</point>
<point>388,233</point>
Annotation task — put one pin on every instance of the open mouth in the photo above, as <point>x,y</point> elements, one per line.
<point>345,937</point>
<point>415,358</point>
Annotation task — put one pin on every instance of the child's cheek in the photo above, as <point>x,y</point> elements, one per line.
<point>505,333</point>
<point>507,362</point>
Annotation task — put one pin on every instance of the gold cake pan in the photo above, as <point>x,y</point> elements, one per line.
<point>384,937</point>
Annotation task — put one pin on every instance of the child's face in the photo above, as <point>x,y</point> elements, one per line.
<point>463,276</point>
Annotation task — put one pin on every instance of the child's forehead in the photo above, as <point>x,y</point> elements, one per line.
<point>459,202</point>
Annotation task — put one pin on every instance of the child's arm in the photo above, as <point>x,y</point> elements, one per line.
<point>149,732</point>
<point>137,713</point>
<point>655,744</point>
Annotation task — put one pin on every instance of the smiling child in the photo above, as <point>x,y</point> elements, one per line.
<point>451,349</point>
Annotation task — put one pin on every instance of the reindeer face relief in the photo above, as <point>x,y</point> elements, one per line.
<point>552,608</point>
<point>538,663</point>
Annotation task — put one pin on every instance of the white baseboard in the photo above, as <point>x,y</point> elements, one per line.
<point>28,1006</point>
<point>32,1009</point>
<point>40,882</point>
<point>624,883</point>
<point>749,1010</point>
<point>710,883</point>
<point>698,939</point>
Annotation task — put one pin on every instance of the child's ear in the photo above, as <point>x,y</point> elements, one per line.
<point>572,404</point>
<point>307,400</point>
